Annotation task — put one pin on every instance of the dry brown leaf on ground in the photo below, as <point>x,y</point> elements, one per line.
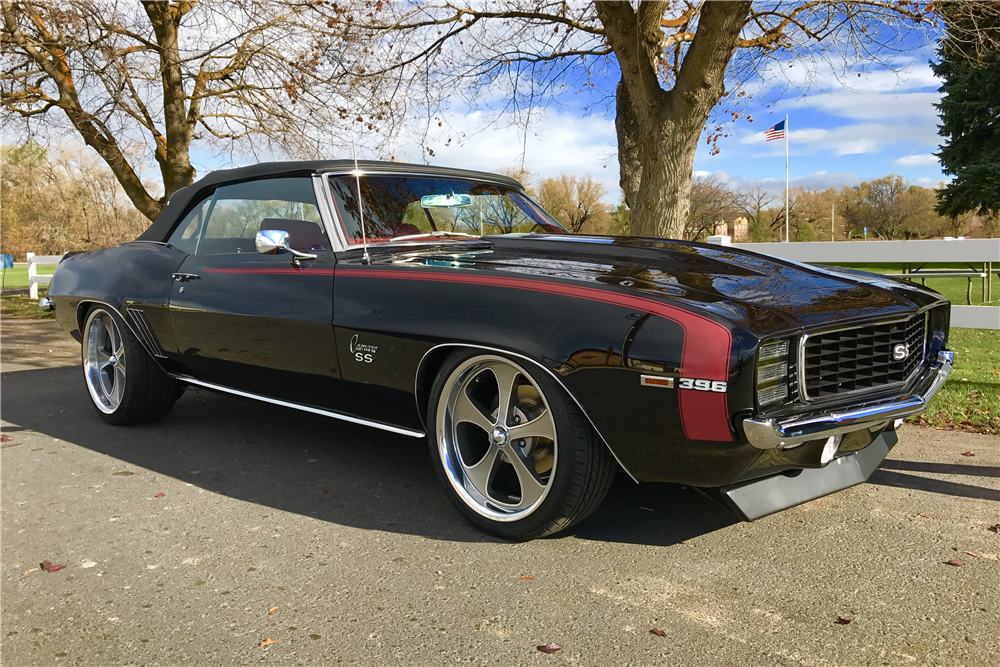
<point>49,566</point>
<point>6,438</point>
<point>551,647</point>
<point>924,515</point>
<point>954,563</point>
<point>658,632</point>
<point>160,495</point>
<point>995,528</point>
<point>527,577</point>
<point>270,612</point>
<point>969,553</point>
<point>842,621</point>
<point>268,641</point>
<point>968,453</point>
<point>29,571</point>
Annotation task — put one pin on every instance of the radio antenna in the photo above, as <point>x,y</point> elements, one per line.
<point>365,259</point>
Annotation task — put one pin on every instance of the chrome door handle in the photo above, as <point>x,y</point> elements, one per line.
<point>184,277</point>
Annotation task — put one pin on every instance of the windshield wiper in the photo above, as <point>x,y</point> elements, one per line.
<point>434,235</point>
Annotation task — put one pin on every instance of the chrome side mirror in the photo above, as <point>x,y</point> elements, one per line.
<point>275,242</point>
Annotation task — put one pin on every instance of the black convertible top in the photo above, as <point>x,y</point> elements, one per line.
<point>179,203</point>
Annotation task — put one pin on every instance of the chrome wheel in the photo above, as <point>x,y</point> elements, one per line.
<point>497,438</point>
<point>104,361</point>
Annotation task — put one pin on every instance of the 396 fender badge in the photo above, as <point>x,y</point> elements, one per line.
<point>682,383</point>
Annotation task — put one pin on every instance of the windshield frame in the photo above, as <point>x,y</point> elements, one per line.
<point>331,208</point>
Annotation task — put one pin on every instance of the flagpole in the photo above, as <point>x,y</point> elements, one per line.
<point>786,178</point>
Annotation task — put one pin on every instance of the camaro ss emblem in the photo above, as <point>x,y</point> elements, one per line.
<point>363,353</point>
<point>900,351</point>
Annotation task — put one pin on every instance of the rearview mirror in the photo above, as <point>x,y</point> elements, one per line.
<point>445,201</point>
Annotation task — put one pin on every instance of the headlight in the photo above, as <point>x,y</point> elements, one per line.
<point>772,372</point>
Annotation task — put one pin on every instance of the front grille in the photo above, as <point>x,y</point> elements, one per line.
<point>860,358</point>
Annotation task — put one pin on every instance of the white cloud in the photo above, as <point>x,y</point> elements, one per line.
<point>853,139</point>
<point>921,160</point>
<point>557,143</point>
<point>819,180</point>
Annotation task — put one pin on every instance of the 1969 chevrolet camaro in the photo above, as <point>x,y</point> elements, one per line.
<point>446,304</point>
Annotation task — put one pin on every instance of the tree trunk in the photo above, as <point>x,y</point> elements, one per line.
<point>629,160</point>
<point>658,129</point>
<point>663,200</point>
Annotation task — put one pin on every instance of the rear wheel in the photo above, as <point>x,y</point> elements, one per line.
<point>126,386</point>
<point>515,454</point>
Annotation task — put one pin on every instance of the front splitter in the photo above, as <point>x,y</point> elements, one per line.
<point>752,500</point>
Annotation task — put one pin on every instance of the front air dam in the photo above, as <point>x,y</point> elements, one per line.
<point>752,500</point>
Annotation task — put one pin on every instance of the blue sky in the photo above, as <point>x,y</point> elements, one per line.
<point>845,128</point>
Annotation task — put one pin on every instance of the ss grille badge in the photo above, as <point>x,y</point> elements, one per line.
<point>900,351</point>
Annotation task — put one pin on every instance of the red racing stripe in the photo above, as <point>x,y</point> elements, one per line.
<point>705,352</point>
<point>275,272</point>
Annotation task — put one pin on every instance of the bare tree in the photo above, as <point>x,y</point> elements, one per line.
<point>574,201</point>
<point>754,199</point>
<point>162,75</point>
<point>712,202</point>
<point>676,60</point>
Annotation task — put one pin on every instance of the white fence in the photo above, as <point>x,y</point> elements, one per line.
<point>34,280</point>
<point>912,255</point>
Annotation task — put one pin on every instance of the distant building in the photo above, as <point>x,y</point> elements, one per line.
<point>738,229</point>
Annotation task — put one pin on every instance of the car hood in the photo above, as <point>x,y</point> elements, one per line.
<point>761,294</point>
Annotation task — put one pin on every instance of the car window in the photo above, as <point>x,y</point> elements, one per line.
<point>240,211</point>
<point>396,206</point>
<point>185,236</point>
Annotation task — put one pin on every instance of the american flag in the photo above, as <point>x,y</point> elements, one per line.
<point>776,132</point>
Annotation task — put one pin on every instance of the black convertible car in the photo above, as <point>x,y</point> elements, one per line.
<point>446,304</point>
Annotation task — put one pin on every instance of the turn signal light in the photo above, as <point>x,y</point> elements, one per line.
<point>772,372</point>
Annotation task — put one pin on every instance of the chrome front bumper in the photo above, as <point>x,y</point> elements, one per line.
<point>792,431</point>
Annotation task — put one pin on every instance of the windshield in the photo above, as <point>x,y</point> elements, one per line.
<point>404,206</point>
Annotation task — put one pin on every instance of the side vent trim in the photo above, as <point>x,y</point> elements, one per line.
<point>145,332</point>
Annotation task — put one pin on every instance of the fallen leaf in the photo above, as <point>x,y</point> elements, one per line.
<point>551,647</point>
<point>954,563</point>
<point>270,612</point>
<point>323,491</point>
<point>969,553</point>
<point>924,515</point>
<point>268,641</point>
<point>49,566</point>
<point>6,438</point>
<point>658,632</point>
<point>995,528</point>
<point>968,453</point>
<point>842,621</point>
<point>527,577</point>
<point>160,495</point>
<point>34,569</point>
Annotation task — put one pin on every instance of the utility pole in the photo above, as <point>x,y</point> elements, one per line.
<point>833,215</point>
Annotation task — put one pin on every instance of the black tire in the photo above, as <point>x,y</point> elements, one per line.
<point>149,393</point>
<point>582,470</point>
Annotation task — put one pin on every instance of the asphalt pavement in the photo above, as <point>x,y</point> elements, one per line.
<point>180,537</point>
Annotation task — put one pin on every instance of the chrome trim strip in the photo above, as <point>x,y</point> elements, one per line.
<point>771,434</point>
<point>801,359</point>
<point>303,408</point>
<point>416,392</point>
<point>331,221</point>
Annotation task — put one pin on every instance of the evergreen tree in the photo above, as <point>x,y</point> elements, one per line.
<point>970,120</point>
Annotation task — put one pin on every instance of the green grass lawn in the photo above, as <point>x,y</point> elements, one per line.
<point>953,289</point>
<point>18,276</point>
<point>970,399</point>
